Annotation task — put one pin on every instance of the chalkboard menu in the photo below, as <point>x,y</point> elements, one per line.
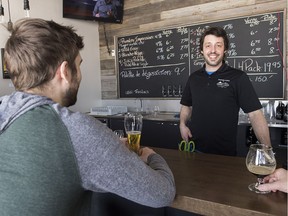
<point>157,64</point>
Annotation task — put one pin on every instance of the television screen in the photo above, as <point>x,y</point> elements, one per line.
<point>99,10</point>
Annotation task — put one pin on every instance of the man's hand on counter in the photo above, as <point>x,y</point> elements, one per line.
<point>145,152</point>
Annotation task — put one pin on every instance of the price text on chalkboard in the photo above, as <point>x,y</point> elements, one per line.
<point>157,64</point>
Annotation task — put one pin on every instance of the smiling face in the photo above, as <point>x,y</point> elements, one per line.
<point>213,52</point>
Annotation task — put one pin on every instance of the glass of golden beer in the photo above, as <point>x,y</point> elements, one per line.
<point>133,127</point>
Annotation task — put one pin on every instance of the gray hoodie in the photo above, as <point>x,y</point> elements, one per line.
<point>103,163</point>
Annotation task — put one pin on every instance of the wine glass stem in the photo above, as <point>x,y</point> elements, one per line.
<point>259,181</point>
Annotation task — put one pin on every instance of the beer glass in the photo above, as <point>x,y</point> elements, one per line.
<point>133,128</point>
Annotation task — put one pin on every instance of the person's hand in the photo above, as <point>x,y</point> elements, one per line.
<point>124,141</point>
<point>145,152</point>
<point>276,181</point>
<point>185,132</point>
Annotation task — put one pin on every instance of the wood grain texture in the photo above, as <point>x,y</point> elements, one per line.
<point>218,185</point>
<point>150,15</point>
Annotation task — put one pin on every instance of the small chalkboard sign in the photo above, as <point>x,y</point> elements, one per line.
<point>157,64</point>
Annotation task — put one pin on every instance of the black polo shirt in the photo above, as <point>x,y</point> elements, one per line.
<point>215,101</point>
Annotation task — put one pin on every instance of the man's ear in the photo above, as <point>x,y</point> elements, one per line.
<point>63,70</point>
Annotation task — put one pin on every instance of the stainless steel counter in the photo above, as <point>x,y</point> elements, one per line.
<point>174,116</point>
<point>161,116</point>
<point>271,123</point>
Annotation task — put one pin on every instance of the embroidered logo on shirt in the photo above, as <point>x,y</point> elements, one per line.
<point>223,83</point>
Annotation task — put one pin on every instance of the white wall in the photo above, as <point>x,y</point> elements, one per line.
<point>90,90</point>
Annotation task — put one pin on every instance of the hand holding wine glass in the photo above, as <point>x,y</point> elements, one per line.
<point>261,162</point>
<point>277,181</point>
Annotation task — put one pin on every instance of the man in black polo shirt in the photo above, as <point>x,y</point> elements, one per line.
<point>212,98</point>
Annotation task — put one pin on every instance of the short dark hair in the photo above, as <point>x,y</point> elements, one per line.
<point>218,32</point>
<point>35,50</point>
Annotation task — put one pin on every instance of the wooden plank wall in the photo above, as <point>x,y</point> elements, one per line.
<point>150,15</point>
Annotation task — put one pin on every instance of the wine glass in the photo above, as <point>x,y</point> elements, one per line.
<point>119,133</point>
<point>261,162</point>
<point>133,128</point>
<point>156,110</point>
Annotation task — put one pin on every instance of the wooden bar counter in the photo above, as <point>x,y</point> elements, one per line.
<point>218,185</point>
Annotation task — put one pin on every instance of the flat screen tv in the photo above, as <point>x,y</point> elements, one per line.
<point>99,10</point>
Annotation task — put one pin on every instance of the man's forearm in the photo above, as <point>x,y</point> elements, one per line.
<point>185,115</point>
<point>260,127</point>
